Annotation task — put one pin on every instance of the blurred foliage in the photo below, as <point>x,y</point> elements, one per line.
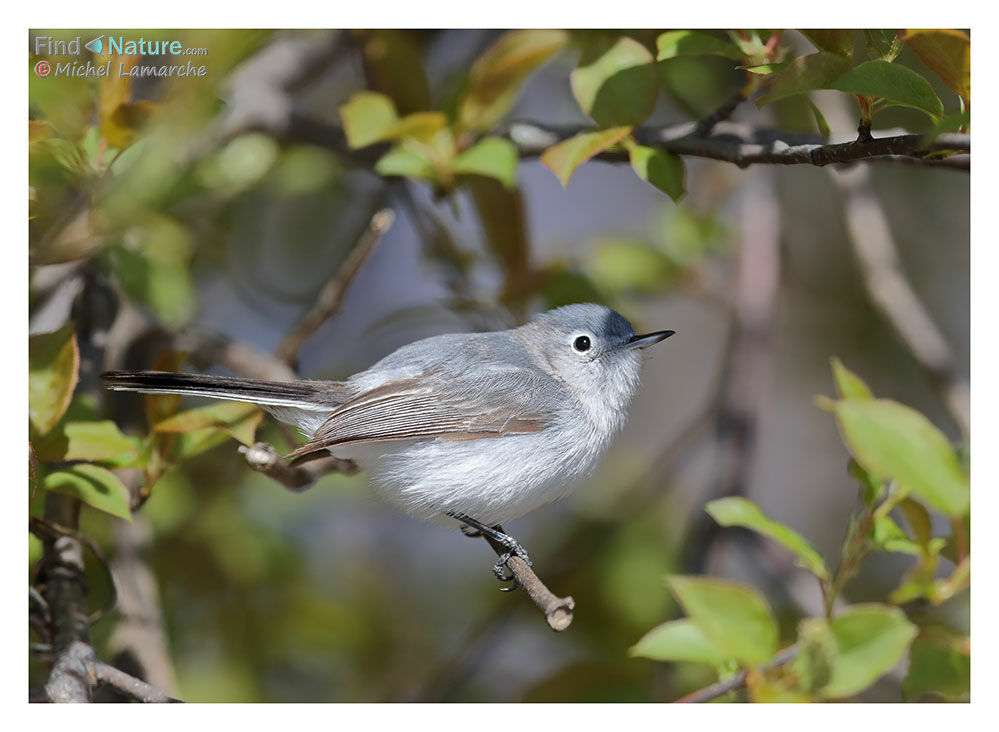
<point>146,188</point>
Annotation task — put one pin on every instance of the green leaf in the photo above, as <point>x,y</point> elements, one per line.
<point>834,40</point>
<point>890,538</point>
<point>563,158</point>
<point>495,79</point>
<point>493,157</point>
<point>764,69</point>
<point>870,641</point>
<point>820,120</point>
<point>406,161</point>
<point>366,116</point>
<point>896,84</point>
<point>369,117</point>
<point>848,384</point>
<point>889,439</point>
<point>737,511</point>
<point>221,414</point>
<point>94,485</point>
<point>661,168</point>
<point>615,82</point>
<point>805,74</point>
<point>882,44</point>
<point>626,265</point>
<point>733,617</point>
<point>946,52</point>
<point>677,640</point>
<point>939,666</point>
<point>53,366</point>
<point>694,43</point>
<point>98,441</point>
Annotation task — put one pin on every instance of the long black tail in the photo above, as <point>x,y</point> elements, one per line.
<point>301,394</point>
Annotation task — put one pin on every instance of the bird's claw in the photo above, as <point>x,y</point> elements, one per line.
<point>471,527</point>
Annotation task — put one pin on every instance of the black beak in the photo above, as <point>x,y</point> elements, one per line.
<point>649,339</point>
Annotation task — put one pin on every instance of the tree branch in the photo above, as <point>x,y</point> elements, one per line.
<point>738,681</point>
<point>64,587</point>
<point>557,610</point>
<point>129,685</point>
<point>297,476</point>
<point>745,145</point>
<point>331,296</point>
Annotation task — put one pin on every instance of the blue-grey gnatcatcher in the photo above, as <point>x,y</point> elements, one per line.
<point>478,428</point>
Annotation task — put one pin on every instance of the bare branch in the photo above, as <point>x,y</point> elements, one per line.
<point>745,145</point>
<point>557,610</point>
<point>737,681</point>
<point>64,587</point>
<point>133,687</point>
<point>297,476</point>
<point>331,296</point>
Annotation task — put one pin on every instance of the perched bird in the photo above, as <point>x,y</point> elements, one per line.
<point>478,428</point>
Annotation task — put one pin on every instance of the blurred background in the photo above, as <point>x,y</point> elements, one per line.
<point>230,206</point>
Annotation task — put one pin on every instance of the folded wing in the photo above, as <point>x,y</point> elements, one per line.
<point>431,406</point>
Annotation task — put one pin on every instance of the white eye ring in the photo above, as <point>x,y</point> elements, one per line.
<point>581,343</point>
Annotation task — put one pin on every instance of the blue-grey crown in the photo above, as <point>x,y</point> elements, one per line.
<point>597,319</point>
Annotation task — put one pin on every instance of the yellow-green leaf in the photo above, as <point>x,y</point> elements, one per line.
<point>737,511</point>
<point>98,441</point>
<point>495,79</point>
<point>615,82</point>
<point>407,161</point>
<point>94,485</point>
<point>891,440</point>
<point>366,116</point>
<point>221,414</point>
<point>947,52</point>
<point>493,157</point>
<point>53,365</point>
<point>848,384</point>
<point>563,158</point>
<point>870,640</point>
<point>733,617</point>
<point>694,43</point>
<point>679,641</point>
<point>659,167</point>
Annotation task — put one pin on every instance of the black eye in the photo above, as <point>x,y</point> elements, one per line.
<point>582,343</point>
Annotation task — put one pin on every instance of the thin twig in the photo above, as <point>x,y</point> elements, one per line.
<point>331,296</point>
<point>738,681</point>
<point>557,610</point>
<point>892,294</point>
<point>297,476</point>
<point>133,687</point>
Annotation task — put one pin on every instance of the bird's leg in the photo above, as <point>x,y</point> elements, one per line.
<point>496,533</point>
